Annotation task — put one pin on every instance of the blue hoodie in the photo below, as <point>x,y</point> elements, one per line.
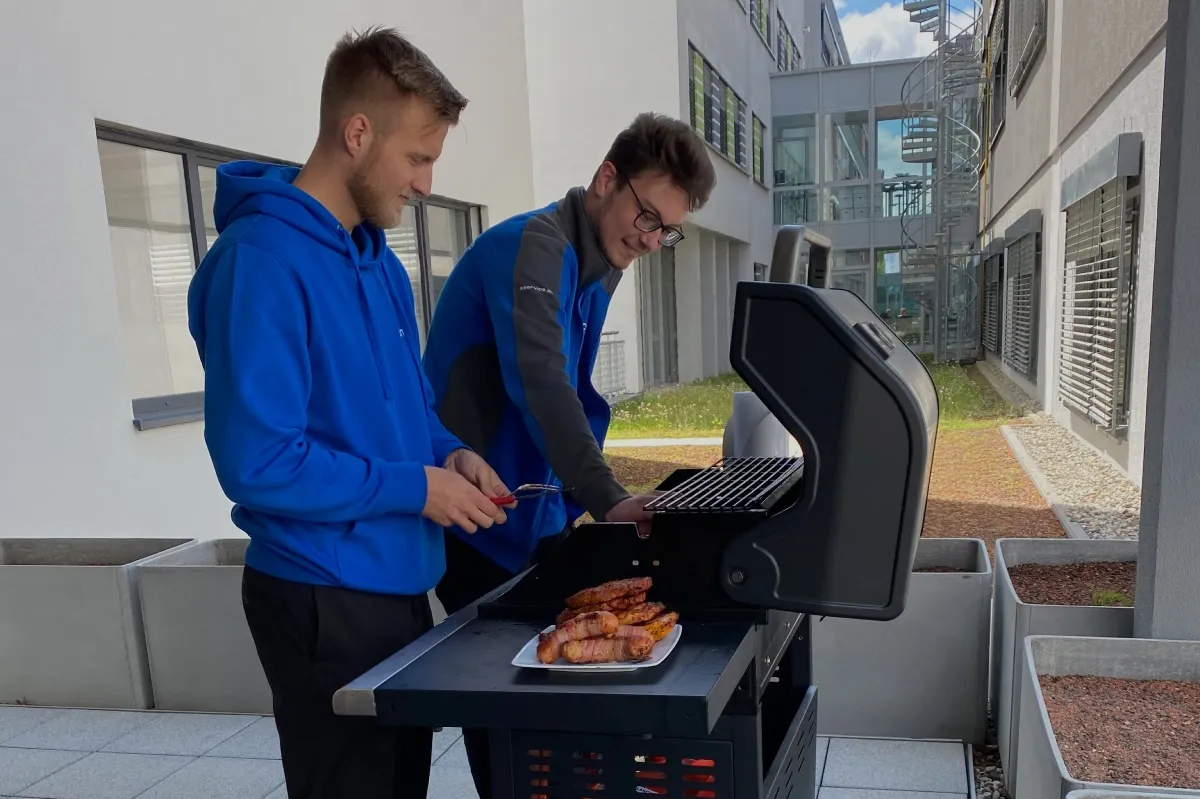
<point>318,414</point>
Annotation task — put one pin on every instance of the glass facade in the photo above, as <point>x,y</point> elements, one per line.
<point>843,172</point>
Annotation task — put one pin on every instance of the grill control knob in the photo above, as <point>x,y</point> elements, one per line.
<point>737,577</point>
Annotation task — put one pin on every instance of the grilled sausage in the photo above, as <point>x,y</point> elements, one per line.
<point>621,603</point>
<point>641,614</point>
<point>589,625</point>
<point>660,627</point>
<point>609,591</point>
<point>609,650</point>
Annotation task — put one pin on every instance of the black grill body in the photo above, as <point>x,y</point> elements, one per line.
<point>746,551</point>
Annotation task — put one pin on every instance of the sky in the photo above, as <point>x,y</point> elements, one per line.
<point>880,31</point>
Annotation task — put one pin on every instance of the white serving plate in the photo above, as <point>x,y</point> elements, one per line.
<point>527,658</point>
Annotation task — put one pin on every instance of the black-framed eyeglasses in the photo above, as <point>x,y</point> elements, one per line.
<point>647,221</point>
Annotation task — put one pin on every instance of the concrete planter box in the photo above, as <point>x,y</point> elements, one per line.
<point>70,621</point>
<point>1041,772</point>
<point>923,674</point>
<point>1084,793</point>
<point>202,656</point>
<point>1015,620</point>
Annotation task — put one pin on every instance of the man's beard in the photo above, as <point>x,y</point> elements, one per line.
<point>371,203</point>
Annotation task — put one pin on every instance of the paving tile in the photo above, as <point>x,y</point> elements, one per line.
<point>259,741</point>
<point>20,768</point>
<point>822,752</point>
<point>451,783</point>
<point>455,756</point>
<point>180,734</point>
<point>107,775</point>
<point>444,740</point>
<point>880,793</point>
<point>15,719</point>
<point>81,730</point>
<point>220,778</point>
<point>896,765</point>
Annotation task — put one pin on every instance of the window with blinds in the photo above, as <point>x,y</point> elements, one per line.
<point>1021,307</point>
<point>1097,305</point>
<point>1026,36</point>
<point>993,298</point>
<point>717,112</point>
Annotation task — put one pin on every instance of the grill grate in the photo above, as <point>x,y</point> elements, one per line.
<point>732,485</point>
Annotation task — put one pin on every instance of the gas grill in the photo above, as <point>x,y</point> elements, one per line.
<point>746,551</point>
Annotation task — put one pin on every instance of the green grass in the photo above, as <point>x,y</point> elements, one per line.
<point>1111,598</point>
<point>701,409</point>
<point>966,400</point>
<point>698,409</point>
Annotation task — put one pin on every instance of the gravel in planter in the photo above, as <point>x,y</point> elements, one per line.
<point>1129,732</point>
<point>1080,584</point>
<point>1094,493</point>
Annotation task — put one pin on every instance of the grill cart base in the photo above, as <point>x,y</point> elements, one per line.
<point>745,551</point>
<point>712,722</point>
<point>743,757</point>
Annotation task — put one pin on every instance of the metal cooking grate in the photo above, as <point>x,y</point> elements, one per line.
<point>731,485</point>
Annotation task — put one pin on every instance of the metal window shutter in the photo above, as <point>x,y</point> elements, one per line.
<point>1096,307</point>
<point>992,304</point>
<point>1021,305</point>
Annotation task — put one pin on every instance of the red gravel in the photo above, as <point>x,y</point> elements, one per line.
<point>1075,584</point>
<point>1129,732</point>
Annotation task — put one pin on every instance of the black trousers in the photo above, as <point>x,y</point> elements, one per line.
<point>470,575</point>
<point>311,641</point>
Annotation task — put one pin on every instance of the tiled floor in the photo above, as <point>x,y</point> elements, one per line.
<point>93,754</point>
<point>100,754</point>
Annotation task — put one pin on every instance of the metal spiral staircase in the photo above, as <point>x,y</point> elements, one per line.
<point>941,127</point>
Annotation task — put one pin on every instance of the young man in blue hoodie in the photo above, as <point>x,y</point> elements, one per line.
<point>318,415</point>
<point>514,339</point>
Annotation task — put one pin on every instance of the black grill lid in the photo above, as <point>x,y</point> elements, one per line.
<point>864,409</point>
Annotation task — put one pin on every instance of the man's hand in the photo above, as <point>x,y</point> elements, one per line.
<point>451,500</point>
<point>475,469</point>
<point>634,510</point>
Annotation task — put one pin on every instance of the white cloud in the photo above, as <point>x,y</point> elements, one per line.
<point>887,33</point>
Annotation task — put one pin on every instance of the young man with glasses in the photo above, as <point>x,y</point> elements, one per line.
<point>515,336</point>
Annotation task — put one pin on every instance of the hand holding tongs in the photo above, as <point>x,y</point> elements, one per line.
<point>526,491</point>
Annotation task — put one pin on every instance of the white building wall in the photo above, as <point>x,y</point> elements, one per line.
<point>1132,104</point>
<point>239,75</point>
<point>590,73</point>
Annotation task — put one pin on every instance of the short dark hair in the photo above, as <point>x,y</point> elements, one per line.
<point>658,143</point>
<point>379,65</point>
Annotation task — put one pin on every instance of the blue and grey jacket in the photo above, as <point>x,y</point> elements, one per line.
<point>509,356</point>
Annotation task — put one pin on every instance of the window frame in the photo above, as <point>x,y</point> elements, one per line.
<point>704,89</point>
<point>760,13</point>
<point>758,150</point>
<point>1022,259</point>
<point>151,413</point>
